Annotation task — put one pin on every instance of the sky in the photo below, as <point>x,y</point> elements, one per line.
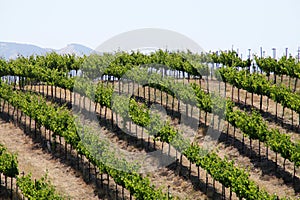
<point>213,24</point>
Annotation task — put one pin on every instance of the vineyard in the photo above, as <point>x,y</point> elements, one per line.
<point>164,125</point>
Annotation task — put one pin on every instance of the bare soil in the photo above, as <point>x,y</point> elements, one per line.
<point>32,159</point>
<point>180,186</point>
<point>263,173</point>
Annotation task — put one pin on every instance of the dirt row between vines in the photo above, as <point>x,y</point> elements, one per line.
<point>33,159</point>
<point>180,186</point>
<point>264,171</point>
<point>284,116</point>
<point>260,171</point>
<point>76,178</point>
<point>265,178</point>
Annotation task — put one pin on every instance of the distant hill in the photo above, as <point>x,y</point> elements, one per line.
<point>76,49</point>
<point>10,50</point>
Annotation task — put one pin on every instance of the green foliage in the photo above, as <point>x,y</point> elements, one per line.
<point>37,189</point>
<point>258,84</point>
<point>220,169</point>
<point>230,58</point>
<point>284,66</point>
<point>8,163</point>
<point>62,123</point>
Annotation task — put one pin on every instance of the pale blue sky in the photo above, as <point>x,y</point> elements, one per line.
<point>213,24</point>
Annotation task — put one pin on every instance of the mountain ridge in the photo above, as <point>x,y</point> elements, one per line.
<point>11,50</point>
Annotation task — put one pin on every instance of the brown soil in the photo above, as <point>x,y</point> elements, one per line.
<point>32,159</point>
<point>264,175</point>
<point>180,186</point>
